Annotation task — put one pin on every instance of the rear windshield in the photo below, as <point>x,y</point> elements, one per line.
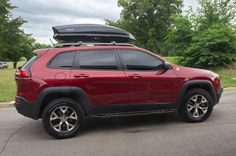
<point>28,64</point>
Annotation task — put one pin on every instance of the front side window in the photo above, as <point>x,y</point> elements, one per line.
<point>137,60</point>
<point>63,60</point>
<point>97,59</point>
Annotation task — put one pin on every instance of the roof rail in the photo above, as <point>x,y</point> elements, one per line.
<point>91,44</point>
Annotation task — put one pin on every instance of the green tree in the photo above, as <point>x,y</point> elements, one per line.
<point>10,33</point>
<point>214,46</point>
<point>5,7</point>
<point>180,34</point>
<point>148,20</point>
<point>214,12</point>
<point>13,40</point>
<point>32,45</point>
<point>14,43</point>
<point>206,38</point>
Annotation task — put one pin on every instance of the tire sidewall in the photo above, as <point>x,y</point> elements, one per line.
<point>183,109</point>
<point>55,104</point>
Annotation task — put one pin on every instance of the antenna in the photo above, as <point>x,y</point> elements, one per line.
<point>51,42</point>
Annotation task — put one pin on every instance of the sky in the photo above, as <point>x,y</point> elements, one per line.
<point>41,15</point>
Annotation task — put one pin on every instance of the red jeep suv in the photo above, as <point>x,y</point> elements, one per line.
<point>66,84</point>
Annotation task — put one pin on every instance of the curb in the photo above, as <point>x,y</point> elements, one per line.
<point>7,104</point>
<point>230,89</point>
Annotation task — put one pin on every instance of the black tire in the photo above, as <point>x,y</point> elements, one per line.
<point>71,106</point>
<point>183,110</point>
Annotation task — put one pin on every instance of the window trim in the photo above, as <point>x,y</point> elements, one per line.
<point>63,68</point>
<point>77,63</point>
<point>124,66</point>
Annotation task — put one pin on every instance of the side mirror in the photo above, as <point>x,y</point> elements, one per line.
<point>19,68</point>
<point>167,66</point>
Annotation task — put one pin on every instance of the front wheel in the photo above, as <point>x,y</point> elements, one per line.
<point>63,118</point>
<point>197,106</point>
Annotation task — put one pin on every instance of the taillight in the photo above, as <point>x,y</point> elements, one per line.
<point>17,100</point>
<point>23,73</point>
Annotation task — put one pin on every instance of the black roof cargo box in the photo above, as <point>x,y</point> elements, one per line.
<point>90,33</point>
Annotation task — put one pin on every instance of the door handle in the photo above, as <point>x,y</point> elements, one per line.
<point>81,75</point>
<point>135,76</point>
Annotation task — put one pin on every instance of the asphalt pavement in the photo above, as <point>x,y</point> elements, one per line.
<point>155,135</point>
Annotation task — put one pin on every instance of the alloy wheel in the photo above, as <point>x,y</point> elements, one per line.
<point>197,106</point>
<point>63,119</point>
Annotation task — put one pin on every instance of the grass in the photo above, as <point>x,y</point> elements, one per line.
<point>227,75</point>
<point>8,85</point>
<point>172,59</point>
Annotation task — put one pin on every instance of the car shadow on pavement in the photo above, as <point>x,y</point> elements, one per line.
<point>132,124</point>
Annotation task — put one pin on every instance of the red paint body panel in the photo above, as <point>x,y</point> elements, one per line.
<point>155,86</point>
<point>102,87</point>
<point>107,87</point>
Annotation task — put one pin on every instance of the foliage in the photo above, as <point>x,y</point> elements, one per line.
<point>148,21</point>
<point>180,34</point>
<point>29,44</point>
<point>214,46</point>
<point>14,43</point>
<point>206,38</point>
<point>216,11</point>
<point>11,34</point>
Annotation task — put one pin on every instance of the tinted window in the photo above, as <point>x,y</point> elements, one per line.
<point>102,59</point>
<point>63,60</point>
<point>137,60</point>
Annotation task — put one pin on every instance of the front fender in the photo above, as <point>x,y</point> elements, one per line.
<point>196,83</point>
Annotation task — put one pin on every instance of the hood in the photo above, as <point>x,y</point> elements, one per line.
<point>194,72</point>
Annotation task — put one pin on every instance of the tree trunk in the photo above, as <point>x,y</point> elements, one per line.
<point>14,65</point>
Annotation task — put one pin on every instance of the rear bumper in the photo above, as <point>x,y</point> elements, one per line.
<point>26,108</point>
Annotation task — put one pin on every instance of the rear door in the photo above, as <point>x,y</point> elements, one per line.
<point>99,74</point>
<point>146,80</point>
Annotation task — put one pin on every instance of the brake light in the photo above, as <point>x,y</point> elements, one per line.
<point>22,73</point>
<point>17,100</point>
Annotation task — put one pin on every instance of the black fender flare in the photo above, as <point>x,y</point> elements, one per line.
<point>190,83</point>
<point>77,92</point>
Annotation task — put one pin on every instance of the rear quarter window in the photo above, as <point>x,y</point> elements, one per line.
<point>63,60</point>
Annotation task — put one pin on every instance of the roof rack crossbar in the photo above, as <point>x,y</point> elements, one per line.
<point>91,44</point>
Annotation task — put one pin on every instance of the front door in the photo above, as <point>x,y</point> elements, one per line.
<point>147,81</point>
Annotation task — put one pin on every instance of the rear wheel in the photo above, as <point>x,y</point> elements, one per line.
<point>63,118</point>
<point>197,106</point>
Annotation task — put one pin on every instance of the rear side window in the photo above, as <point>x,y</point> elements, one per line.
<point>137,60</point>
<point>99,59</point>
<point>63,60</point>
<point>28,64</point>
